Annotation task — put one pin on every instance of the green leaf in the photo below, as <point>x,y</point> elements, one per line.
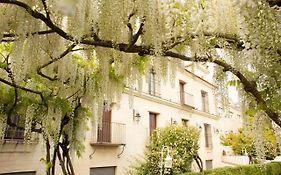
<point>3,65</point>
<point>6,47</point>
<point>234,83</point>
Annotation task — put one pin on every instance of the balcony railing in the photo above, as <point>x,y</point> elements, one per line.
<point>236,160</point>
<point>13,133</point>
<point>154,88</point>
<point>187,99</point>
<point>17,134</point>
<point>110,133</point>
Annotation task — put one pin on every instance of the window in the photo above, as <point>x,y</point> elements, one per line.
<point>103,171</point>
<point>182,100</point>
<point>104,131</point>
<point>152,122</point>
<point>152,82</point>
<point>209,164</point>
<point>205,101</point>
<point>208,135</point>
<point>184,122</point>
<point>16,131</point>
<point>185,98</point>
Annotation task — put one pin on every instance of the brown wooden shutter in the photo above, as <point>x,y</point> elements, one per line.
<point>182,93</point>
<point>104,133</point>
<point>152,122</point>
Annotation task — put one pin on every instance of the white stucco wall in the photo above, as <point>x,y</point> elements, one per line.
<point>168,108</point>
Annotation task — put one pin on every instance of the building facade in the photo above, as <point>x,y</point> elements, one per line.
<point>126,127</point>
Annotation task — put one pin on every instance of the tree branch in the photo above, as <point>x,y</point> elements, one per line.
<point>69,163</point>
<point>54,160</point>
<point>247,85</point>
<point>28,34</point>
<point>39,70</point>
<point>48,155</point>
<point>134,37</point>
<point>11,76</point>
<point>46,9</point>
<point>148,50</point>
<point>12,124</point>
<point>11,37</point>
<point>69,49</point>
<point>38,15</point>
<point>129,48</point>
<point>173,42</point>
<point>274,2</point>
<point>75,93</point>
<point>22,88</point>
<point>227,37</point>
<point>251,88</point>
<point>74,50</point>
<point>101,43</point>
<point>62,163</point>
<point>8,40</point>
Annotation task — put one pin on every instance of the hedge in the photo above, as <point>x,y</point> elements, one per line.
<point>255,169</point>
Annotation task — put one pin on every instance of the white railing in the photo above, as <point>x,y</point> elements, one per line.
<point>188,99</point>
<point>110,133</point>
<point>118,133</point>
<point>236,160</point>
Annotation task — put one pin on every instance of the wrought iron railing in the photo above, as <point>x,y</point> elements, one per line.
<point>110,133</point>
<point>17,134</point>
<point>14,133</point>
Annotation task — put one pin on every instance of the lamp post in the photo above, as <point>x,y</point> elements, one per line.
<point>166,163</point>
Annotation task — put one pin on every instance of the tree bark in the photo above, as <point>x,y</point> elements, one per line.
<point>48,148</point>
<point>54,161</point>
<point>274,2</point>
<point>62,162</point>
<point>199,162</point>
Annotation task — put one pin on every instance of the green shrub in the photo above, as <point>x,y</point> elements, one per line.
<point>183,145</point>
<point>241,141</point>
<point>256,169</point>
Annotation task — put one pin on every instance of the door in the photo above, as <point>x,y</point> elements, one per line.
<point>152,122</point>
<point>209,164</point>
<point>104,132</point>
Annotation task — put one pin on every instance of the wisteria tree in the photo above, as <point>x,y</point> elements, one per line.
<point>62,60</point>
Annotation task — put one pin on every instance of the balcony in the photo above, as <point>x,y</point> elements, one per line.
<point>109,134</point>
<point>235,160</point>
<point>14,134</point>
<point>187,99</point>
<point>154,88</point>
